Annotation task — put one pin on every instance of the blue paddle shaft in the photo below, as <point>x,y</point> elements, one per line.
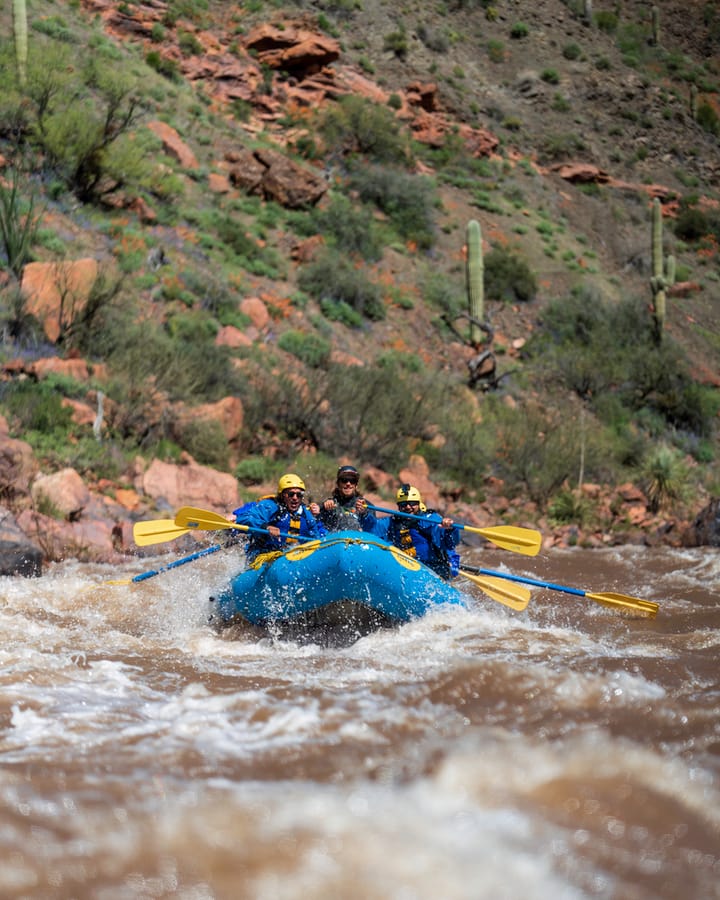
<point>178,562</point>
<point>397,512</point>
<point>532,581</point>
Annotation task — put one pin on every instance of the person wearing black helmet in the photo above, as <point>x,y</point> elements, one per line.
<point>346,509</point>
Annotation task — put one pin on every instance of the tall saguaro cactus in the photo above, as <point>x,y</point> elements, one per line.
<point>663,271</point>
<point>475,273</point>
<point>21,40</point>
<point>655,24</point>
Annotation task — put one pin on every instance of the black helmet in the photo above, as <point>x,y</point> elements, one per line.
<point>348,472</point>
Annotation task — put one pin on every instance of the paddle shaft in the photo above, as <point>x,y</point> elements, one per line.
<point>509,537</point>
<point>606,598</point>
<point>173,565</point>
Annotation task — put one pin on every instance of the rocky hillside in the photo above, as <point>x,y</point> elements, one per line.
<point>553,130</point>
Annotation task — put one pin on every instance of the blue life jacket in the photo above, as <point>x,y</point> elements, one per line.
<point>267,511</point>
<point>426,540</point>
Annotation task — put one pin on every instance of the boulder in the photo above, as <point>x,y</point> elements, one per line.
<point>18,467</point>
<point>704,531</point>
<point>64,491</point>
<point>190,484</point>
<point>173,144</point>
<point>20,558</point>
<point>50,286</point>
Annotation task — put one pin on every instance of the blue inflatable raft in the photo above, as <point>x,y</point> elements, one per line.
<point>343,574</point>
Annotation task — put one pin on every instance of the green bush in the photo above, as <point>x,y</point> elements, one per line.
<point>254,469</point>
<point>708,119</point>
<point>333,277</point>
<point>36,407</point>
<point>312,349</point>
<point>519,31</point>
<point>663,477</point>
<point>396,42</point>
<point>205,441</point>
<point>357,125</point>
<point>508,277</point>
<point>349,227</point>
<point>408,200</point>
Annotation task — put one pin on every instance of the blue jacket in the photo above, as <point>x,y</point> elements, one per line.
<point>261,513</point>
<point>425,539</point>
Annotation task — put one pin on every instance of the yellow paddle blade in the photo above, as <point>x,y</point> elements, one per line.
<point>203,520</point>
<point>613,600</point>
<point>511,537</point>
<point>298,553</point>
<point>157,531</point>
<point>407,562</point>
<point>513,595</point>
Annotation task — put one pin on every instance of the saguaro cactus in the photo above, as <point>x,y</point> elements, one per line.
<point>21,41</point>
<point>475,273</point>
<point>655,18</point>
<point>663,271</point>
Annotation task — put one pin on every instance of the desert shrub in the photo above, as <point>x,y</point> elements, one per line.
<point>536,451</point>
<point>356,125</point>
<point>708,119</point>
<point>15,320</point>
<point>36,407</point>
<point>341,311</point>
<point>254,469</point>
<point>550,76</point>
<point>663,476</point>
<point>205,441</point>
<point>596,349</point>
<point>188,43</point>
<point>19,223</point>
<point>606,21</point>
<point>396,42</point>
<point>433,39</point>
<point>572,51</point>
<point>569,507</point>
<point>83,118</point>
<point>408,200</point>
<point>508,277</point>
<point>519,31</point>
<point>333,277</point>
<point>443,293</point>
<point>163,65</point>
<point>691,223</point>
<point>349,227</point>
<point>310,348</point>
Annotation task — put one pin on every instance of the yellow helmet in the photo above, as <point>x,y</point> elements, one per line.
<point>290,481</point>
<point>408,494</point>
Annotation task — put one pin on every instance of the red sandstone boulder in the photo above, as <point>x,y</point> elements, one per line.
<point>190,484</point>
<point>49,287</point>
<point>64,491</point>
<point>17,467</point>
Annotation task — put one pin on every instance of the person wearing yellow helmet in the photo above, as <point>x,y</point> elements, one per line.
<point>284,513</point>
<point>422,533</point>
<point>346,509</point>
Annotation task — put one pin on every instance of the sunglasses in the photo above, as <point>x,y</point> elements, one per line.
<point>293,493</point>
<point>405,503</point>
<point>347,481</point>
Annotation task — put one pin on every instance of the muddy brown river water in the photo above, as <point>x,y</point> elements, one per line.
<point>568,751</point>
